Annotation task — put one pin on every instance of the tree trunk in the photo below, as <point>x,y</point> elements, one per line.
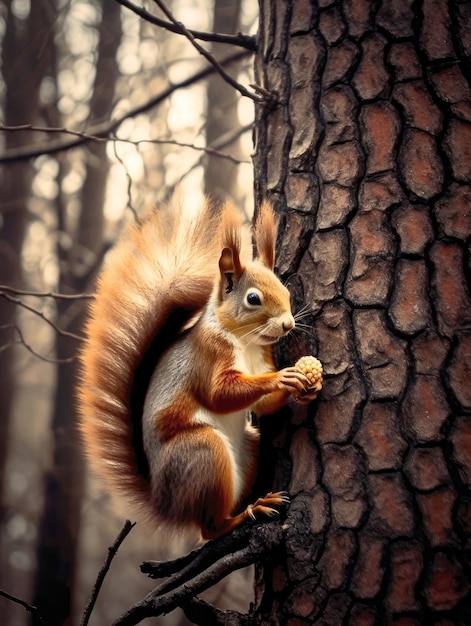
<point>220,175</point>
<point>59,529</point>
<point>23,68</point>
<point>365,152</point>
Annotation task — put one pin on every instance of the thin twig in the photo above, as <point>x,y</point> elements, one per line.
<point>128,179</point>
<point>244,41</point>
<point>41,357</point>
<point>47,294</point>
<point>31,609</point>
<point>105,129</point>
<point>135,142</point>
<point>128,526</point>
<point>229,137</point>
<point>53,130</point>
<point>208,56</point>
<point>19,302</point>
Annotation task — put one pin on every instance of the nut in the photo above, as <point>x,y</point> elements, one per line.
<point>312,370</point>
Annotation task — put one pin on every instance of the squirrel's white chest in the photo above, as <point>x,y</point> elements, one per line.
<point>250,360</point>
<point>232,429</point>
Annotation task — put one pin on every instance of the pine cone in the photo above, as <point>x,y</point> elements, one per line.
<point>312,369</point>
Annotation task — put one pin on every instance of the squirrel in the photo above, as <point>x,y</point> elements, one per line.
<point>176,356</point>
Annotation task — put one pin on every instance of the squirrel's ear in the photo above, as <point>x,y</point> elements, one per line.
<point>230,268</point>
<point>266,227</point>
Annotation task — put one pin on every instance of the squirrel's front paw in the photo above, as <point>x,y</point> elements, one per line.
<point>292,379</point>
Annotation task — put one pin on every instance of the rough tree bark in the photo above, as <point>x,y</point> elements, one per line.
<point>366,153</point>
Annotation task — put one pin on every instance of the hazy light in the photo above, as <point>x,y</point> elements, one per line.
<point>129,63</point>
<point>21,8</point>
<point>80,32</point>
<point>72,182</point>
<point>47,90</point>
<point>20,560</point>
<point>17,526</point>
<point>116,193</point>
<point>185,109</point>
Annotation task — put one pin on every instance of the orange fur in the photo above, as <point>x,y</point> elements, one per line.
<point>178,298</point>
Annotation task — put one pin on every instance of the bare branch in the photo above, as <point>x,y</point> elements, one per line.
<point>27,307</point>
<point>128,178</point>
<point>53,130</point>
<point>134,142</point>
<point>202,568</point>
<point>128,526</point>
<point>228,138</point>
<point>244,41</point>
<point>159,601</point>
<point>208,56</point>
<point>199,559</point>
<point>221,143</point>
<point>28,607</point>
<point>22,341</point>
<point>47,294</point>
<point>103,130</point>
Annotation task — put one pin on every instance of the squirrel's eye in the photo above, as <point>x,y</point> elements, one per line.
<point>253,299</point>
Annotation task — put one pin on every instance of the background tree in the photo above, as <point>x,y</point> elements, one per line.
<point>59,526</point>
<point>220,177</point>
<point>20,50</point>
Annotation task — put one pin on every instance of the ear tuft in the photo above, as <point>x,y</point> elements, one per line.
<point>265,231</point>
<point>231,227</point>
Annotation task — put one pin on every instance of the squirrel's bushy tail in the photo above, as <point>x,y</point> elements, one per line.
<point>163,270</point>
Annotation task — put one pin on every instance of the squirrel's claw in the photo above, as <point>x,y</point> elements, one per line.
<point>265,506</point>
<point>249,511</point>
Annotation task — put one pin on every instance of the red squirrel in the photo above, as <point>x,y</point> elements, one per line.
<point>184,315</point>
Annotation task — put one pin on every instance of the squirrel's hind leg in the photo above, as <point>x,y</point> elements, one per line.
<point>263,506</point>
<point>221,497</point>
<point>199,483</point>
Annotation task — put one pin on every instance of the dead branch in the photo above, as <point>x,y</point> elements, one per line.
<point>244,41</point>
<point>208,56</point>
<point>37,619</point>
<point>22,341</point>
<point>47,294</point>
<point>112,551</point>
<point>129,203</point>
<point>104,130</point>
<point>203,568</point>
<point>40,314</point>
<point>136,142</point>
<point>200,559</point>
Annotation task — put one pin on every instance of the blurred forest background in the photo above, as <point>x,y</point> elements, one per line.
<point>103,112</point>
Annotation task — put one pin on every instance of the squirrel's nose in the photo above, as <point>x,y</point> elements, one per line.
<point>288,323</point>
